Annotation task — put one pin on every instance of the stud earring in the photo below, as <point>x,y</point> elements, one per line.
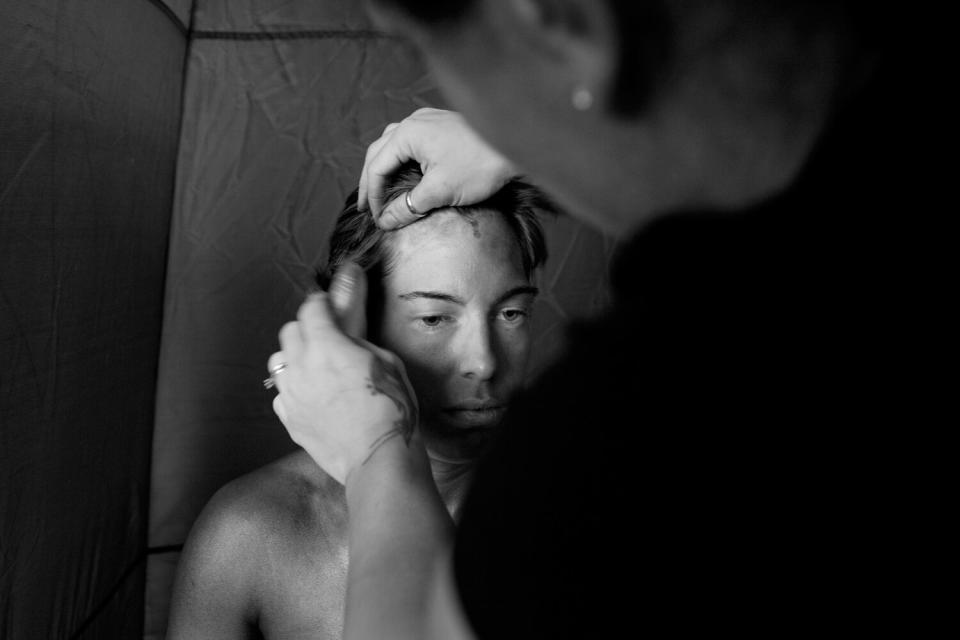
<point>582,99</point>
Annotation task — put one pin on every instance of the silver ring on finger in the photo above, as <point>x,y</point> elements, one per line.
<point>411,208</point>
<point>271,382</point>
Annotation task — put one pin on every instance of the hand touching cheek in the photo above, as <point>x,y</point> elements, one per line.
<point>340,398</point>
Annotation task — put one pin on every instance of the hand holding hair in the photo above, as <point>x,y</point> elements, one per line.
<point>458,167</point>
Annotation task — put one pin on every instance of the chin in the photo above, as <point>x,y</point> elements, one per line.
<point>462,439</point>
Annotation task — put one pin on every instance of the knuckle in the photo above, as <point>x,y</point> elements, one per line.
<point>288,330</point>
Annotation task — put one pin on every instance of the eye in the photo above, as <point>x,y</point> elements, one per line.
<point>514,315</point>
<point>432,321</point>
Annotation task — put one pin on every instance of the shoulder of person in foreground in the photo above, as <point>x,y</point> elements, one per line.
<point>247,549</point>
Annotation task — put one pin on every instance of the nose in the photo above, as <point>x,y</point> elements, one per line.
<point>478,358</point>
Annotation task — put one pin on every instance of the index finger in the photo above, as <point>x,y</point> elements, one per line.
<point>372,151</point>
<point>390,157</point>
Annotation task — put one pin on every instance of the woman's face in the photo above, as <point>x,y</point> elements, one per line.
<point>456,311</point>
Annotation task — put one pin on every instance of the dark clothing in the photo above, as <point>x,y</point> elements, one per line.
<point>708,455</point>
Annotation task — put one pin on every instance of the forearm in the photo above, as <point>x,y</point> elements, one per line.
<point>398,529</point>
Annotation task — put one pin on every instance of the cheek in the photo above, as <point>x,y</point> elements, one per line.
<point>514,352</point>
<point>426,360</point>
<point>482,115</point>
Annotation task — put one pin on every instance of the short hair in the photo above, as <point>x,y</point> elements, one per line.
<point>357,238</point>
<point>649,32</point>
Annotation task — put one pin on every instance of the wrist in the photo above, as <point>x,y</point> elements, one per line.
<point>389,460</point>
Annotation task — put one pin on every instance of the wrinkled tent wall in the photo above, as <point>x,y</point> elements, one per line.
<point>280,99</point>
<point>89,119</point>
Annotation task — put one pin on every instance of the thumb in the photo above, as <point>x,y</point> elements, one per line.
<point>348,297</point>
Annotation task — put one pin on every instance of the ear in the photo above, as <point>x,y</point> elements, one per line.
<point>578,35</point>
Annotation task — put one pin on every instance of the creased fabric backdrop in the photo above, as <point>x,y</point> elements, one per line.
<point>235,128</point>
<point>89,120</point>
<point>282,99</point>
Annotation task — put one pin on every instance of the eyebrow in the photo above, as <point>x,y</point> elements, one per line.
<point>446,297</point>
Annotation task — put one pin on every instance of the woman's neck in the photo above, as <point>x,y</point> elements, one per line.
<point>453,478</point>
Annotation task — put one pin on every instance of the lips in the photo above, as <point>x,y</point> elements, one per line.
<point>475,414</point>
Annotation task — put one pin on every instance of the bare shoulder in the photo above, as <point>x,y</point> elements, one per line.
<point>285,503</point>
<point>248,536</point>
<point>285,492</point>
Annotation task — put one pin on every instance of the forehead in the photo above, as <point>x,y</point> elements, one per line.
<point>450,248</point>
